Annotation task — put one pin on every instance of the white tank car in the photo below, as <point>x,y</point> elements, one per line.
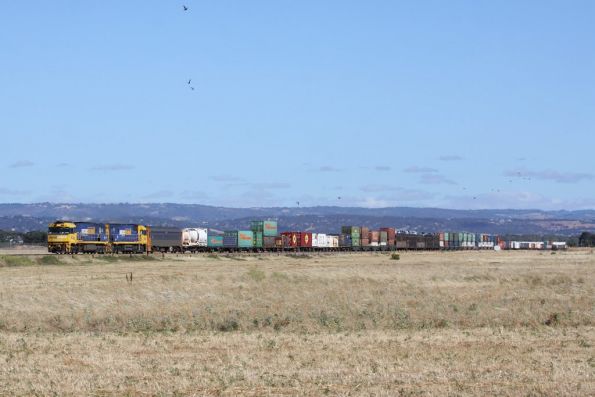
<point>194,237</point>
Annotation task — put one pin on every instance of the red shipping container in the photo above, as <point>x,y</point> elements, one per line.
<point>305,239</point>
<point>364,232</point>
<point>374,236</point>
<point>390,232</point>
<point>365,242</point>
<point>291,239</point>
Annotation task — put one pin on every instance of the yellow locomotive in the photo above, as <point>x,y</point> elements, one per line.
<point>66,237</point>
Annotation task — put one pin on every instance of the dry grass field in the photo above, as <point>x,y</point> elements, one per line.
<point>462,323</point>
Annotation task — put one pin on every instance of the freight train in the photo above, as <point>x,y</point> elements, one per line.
<point>66,237</point>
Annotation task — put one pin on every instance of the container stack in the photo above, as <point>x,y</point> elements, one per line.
<point>354,233</point>
<point>391,236</point>
<point>364,236</point>
<point>264,233</point>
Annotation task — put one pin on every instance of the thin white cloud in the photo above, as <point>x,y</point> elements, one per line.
<point>414,169</point>
<point>113,167</point>
<point>328,168</point>
<point>450,157</point>
<point>21,164</point>
<point>225,178</point>
<point>551,175</point>
<point>436,179</point>
<point>159,194</point>
<point>10,192</point>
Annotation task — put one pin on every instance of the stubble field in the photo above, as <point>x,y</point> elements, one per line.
<point>463,323</point>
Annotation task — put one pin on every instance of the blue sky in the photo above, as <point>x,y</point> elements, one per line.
<point>459,104</point>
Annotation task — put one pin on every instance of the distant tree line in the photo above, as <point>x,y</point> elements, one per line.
<point>586,239</point>
<point>33,237</point>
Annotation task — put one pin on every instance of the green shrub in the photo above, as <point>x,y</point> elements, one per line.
<point>395,256</point>
<point>49,260</point>
<point>16,260</point>
<point>256,275</point>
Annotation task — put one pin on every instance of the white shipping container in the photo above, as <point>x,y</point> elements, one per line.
<point>314,240</point>
<point>194,237</point>
<point>333,241</point>
<point>374,244</point>
<point>320,240</point>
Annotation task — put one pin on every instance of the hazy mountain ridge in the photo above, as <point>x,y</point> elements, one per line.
<point>25,217</point>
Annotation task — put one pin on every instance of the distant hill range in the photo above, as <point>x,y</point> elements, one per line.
<point>27,217</point>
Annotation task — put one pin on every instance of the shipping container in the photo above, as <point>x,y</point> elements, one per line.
<point>363,232</point>
<point>215,240</point>
<point>353,231</point>
<point>269,242</point>
<point>365,242</point>
<point>258,239</point>
<point>333,241</point>
<point>320,240</point>
<point>267,228</point>
<point>245,239</point>
<point>279,242</point>
<point>291,239</point>
<point>374,236</point>
<point>345,240</point>
<point>391,232</point>
<point>305,240</point>
<point>230,239</point>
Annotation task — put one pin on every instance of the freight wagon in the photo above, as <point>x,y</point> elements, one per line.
<point>172,239</point>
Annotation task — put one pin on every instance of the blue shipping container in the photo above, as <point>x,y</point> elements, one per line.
<point>230,239</point>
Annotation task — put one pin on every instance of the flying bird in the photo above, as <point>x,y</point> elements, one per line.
<point>185,8</point>
<point>189,81</point>
<point>298,203</point>
<point>339,198</point>
<point>192,88</point>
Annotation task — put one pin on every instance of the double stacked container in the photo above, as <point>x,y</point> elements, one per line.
<point>364,236</point>
<point>354,233</point>
<point>265,233</point>
<point>388,235</point>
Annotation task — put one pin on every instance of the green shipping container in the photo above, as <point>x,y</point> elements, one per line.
<point>355,241</point>
<point>355,231</point>
<point>215,241</point>
<point>245,239</point>
<point>258,240</point>
<point>383,236</point>
<point>268,228</point>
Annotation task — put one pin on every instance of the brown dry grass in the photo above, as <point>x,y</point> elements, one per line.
<point>467,323</point>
